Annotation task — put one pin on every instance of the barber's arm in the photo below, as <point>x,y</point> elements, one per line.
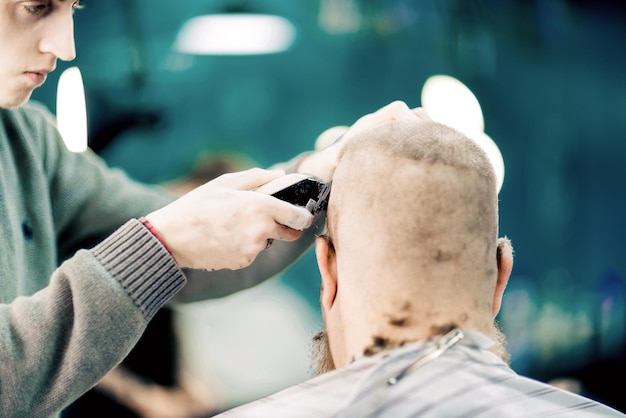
<point>203,284</point>
<point>321,164</point>
<point>57,343</point>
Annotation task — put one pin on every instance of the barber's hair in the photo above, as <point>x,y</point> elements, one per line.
<point>416,189</point>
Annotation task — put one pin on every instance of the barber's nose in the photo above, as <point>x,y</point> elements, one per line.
<point>58,39</point>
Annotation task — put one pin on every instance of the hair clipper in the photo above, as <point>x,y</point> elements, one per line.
<point>300,190</point>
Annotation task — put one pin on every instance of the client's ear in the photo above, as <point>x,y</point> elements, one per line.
<point>504,257</point>
<point>327,265</point>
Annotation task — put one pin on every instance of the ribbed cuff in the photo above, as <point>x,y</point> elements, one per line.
<point>144,268</point>
<point>145,222</point>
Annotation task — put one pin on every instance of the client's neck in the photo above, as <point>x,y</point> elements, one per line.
<point>376,330</point>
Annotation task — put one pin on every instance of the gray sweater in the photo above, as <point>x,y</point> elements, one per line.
<point>80,277</point>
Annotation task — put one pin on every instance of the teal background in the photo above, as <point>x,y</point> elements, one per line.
<point>550,79</point>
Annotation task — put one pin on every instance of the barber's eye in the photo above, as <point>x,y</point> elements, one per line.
<point>37,9</point>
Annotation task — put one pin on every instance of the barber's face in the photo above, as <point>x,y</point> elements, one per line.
<point>33,35</point>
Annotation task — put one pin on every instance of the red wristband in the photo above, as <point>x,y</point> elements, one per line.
<point>153,231</point>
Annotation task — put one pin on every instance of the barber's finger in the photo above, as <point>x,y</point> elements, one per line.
<point>395,110</point>
<point>250,179</point>
<point>330,136</point>
<point>292,216</point>
<point>285,233</point>
<point>421,113</point>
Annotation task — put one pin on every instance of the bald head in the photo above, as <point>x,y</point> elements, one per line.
<point>416,194</point>
<point>413,224</point>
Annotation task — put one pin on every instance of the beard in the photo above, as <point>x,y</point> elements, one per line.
<point>500,349</point>
<point>321,358</point>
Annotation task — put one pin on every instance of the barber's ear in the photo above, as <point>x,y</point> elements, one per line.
<point>327,265</point>
<point>504,256</point>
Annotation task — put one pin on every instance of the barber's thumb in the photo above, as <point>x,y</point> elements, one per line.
<point>301,218</point>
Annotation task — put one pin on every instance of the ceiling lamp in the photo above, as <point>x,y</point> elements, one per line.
<point>449,101</point>
<point>235,34</point>
<point>71,111</point>
<point>338,17</point>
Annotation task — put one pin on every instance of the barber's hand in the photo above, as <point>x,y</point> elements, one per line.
<point>225,224</point>
<point>322,163</point>
<point>397,110</point>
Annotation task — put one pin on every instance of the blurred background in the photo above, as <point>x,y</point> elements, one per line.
<point>549,76</point>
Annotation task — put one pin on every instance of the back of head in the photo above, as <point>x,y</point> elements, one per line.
<point>413,220</point>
